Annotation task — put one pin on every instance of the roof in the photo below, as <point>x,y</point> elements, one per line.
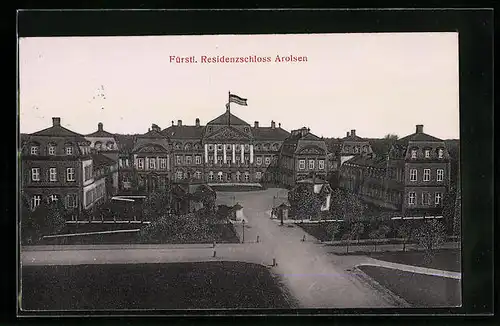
<point>125,142</point>
<point>187,132</point>
<point>151,134</point>
<point>23,138</point>
<point>59,131</point>
<point>100,160</point>
<point>100,133</point>
<point>353,138</point>
<point>417,137</point>
<point>310,136</point>
<point>367,161</point>
<point>227,118</point>
<point>191,187</point>
<point>269,133</point>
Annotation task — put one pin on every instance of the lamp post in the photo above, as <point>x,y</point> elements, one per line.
<point>243,230</point>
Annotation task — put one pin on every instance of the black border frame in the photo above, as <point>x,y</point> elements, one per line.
<point>475,27</point>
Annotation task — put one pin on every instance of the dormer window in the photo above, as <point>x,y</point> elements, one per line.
<point>69,150</point>
<point>245,129</point>
<point>209,129</point>
<point>413,153</point>
<point>210,147</point>
<point>109,145</point>
<point>51,150</point>
<point>34,150</point>
<point>427,153</point>
<point>440,153</point>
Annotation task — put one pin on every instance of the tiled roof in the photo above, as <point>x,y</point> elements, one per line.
<point>418,137</point>
<point>125,142</point>
<point>59,131</point>
<point>100,133</point>
<point>23,138</point>
<point>363,160</point>
<point>100,160</point>
<point>353,138</point>
<point>227,118</point>
<point>310,136</point>
<point>269,133</point>
<point>183,132</point>
<point>151,134</point>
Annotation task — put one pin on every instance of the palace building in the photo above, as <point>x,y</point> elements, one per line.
<point>58,164</point>
<point>227,150</point>
<point>412,177</point>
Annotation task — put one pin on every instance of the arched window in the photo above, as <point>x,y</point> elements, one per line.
<point>109,145</point>
<point>211,175</point>
<point>187,146</point>
<point>440,152</point>
<point>219,176</point>
<point>347,148</point>
<point>51,149</point>
<point>98,145</point>
<point>413,153</point>
<point>267,146</point>
<point>69,149</point>
<point>257,147</point>
<point>238,176</point>
<point>34,148</point>
<point>247,176</point>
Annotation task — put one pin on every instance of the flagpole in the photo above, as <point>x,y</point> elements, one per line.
<point>229,108</point>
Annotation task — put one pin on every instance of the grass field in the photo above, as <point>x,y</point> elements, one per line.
<point>152,286</point>
<point>417,289</point>
<point>444,259</point>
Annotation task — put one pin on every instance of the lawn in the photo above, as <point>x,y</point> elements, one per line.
<point>236,188</point>
<point>444,259</point>
<point>417,289</point>
<point>151,286</point>
<point>221,233</point>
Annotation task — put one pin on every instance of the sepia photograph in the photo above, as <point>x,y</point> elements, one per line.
<point>277,171</point>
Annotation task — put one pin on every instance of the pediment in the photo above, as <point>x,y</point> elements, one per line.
<point>228,133</point>
<point>151,148</point>
<point>311,150</point>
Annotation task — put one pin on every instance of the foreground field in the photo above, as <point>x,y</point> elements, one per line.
<point>151,286</point>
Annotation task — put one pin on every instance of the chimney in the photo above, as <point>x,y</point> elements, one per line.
<point>256,124</point>
<point>172,122</point>
<point>348,134</point>
<point>99,126</point>
<point>56,121</point>
<point>197,122</point>
<point>273,124</point>
<point>420,129</point>
<point>179,123</point>
<point>353,132</point>
<point>279,125</point>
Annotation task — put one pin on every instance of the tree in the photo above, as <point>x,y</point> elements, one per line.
<point>449,202</point>
<point>157,204</point>
<point>430,235</point>
<point>47,219</point>
<point>358,229</point>
<point>391,136</point>
<point>379,233</point>
<point>27,228</point>
<point>405,231</point>
<point>346,206</point>
<point>333,229</point>
<point>304,201</point>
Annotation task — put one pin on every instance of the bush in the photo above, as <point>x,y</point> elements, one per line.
<point>47,219</point>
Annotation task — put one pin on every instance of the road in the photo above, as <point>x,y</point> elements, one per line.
<point>305,267</point>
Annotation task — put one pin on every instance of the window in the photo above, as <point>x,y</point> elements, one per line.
<point>247,148</point>
<point>245,129</point>
<point>35,174</point>
<point>98,145</point>
<point>258,175</point>
<point>438,198</point>
<point>121,162</point>
<point>259,160</point>
<point>238,176</point>
<point>268,160</point>
<point>53,198</point>
<point>356,149</point>
<point>189,159</point>
<point>413,153</point>
<point>126,162</point>
<point>219,176</point>
<point>302,164</point>
<point>247,176</point>
<point>71,201</point>
<point>211,176</point>
<point>52,174</point>
<point>163,163</point>
<point>440,174</point>
<point>69,150</point>
<point>87,172</point>
<point>35,201</point>
<point>219,159</point>
<point>427,174</point>
<point>140,163</point>
<point>425,198</point>
<point>210,147</point>
<point>219,147</point>
<point>70,174</point>
<point>178,160</point>
<point>109,145</point>
<point>321,164</point>
<point>311,164</point>
<point>197,175</point>
<point>413,174</point>
<point>152,163</point>
<point>229,176</point>
<point>427,153</point>
<point>34,150</point>
<point>52,150</point>
<point>198,159</point>
<point>179,175</point>
<point>411,198</point>
<point>440,153</point>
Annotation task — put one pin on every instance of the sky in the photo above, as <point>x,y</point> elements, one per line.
<point>376,83</point>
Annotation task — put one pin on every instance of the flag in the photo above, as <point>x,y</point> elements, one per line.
<point>238,100</point>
